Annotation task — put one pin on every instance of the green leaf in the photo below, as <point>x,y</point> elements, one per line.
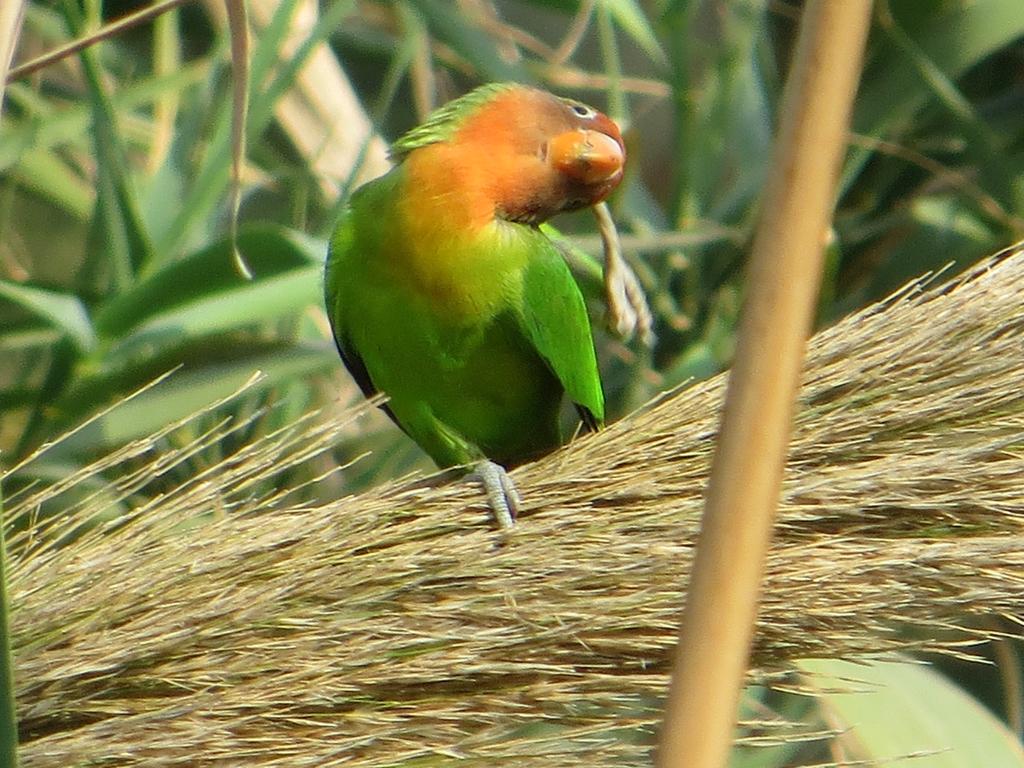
<point>906,715</point>
<point>50,177</point>
<point>187,392</point>
<point>447,23</point>
<point>206,192</point>
<point>262,108</point>
<point>953,39</point>
<point>63,311</point>
<point>269,250</point>
<point>119,232</point>
<point>629,16</point>
<point>241,307</point>
<point>34,337</point>
<point>50,127</point>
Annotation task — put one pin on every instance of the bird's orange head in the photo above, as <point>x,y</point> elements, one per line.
<point>518,153</point>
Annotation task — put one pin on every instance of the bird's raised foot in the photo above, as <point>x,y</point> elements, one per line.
<point>502,496</point>
<point>629,314</point>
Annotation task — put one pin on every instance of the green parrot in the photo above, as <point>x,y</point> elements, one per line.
<point>444,294</point>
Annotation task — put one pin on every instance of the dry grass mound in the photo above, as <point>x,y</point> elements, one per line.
<point>398,625</point>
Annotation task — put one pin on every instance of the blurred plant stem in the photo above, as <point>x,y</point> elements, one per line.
<point>8,716</point>
<point>750,454</point>
<point>106,32</point>
<point>10,24</point>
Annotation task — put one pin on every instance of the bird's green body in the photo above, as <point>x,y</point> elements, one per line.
<point>446,296</point>
<point>474,360</point>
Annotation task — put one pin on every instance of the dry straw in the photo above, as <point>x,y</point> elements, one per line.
<point>218,623</point>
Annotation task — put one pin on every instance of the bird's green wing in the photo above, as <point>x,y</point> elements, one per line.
<point>554,319</point>
<point>341,242</point>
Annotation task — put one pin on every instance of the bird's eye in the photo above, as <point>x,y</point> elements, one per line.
<point>583,110</point>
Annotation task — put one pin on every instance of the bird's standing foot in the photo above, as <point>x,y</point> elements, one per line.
<point>502,495</point>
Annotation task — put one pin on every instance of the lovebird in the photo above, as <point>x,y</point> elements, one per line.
<point>444,294</point>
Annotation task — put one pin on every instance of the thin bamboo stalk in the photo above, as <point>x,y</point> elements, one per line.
<point>105,32</point>
<point>8,715</point>
<point>11,16</point>
<point>743,490</point>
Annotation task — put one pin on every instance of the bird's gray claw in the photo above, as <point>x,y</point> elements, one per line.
<point>501,492</point>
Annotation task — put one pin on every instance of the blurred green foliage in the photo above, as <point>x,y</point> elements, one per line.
<point>114,167</point>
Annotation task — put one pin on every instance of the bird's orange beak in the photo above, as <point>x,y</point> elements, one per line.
<point>590,157</point>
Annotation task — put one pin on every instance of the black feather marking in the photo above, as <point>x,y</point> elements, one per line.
<point>590,423</point>
<point>357,368</point>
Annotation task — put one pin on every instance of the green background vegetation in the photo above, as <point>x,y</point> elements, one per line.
<point>114,172</point>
